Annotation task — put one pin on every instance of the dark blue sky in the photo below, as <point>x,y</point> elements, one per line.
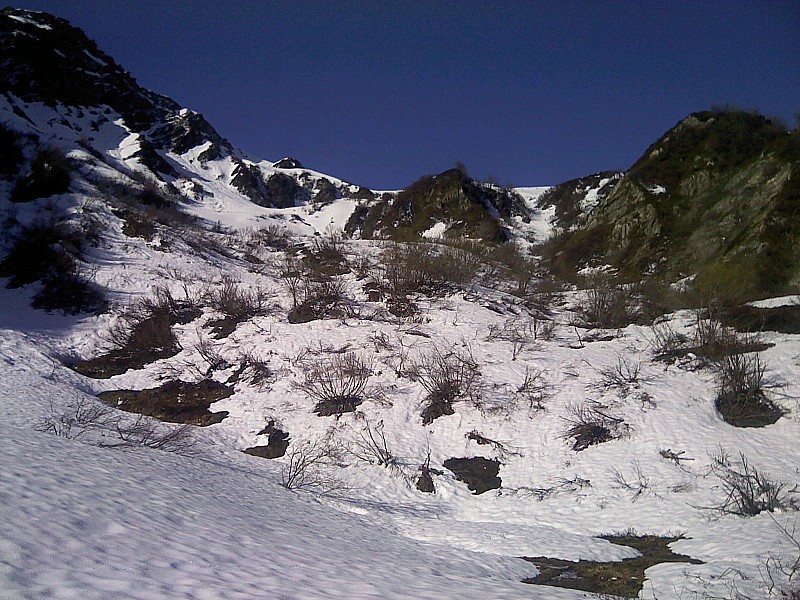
<point>380,93</point>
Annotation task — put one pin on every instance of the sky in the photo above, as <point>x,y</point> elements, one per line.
<point>381,93</point>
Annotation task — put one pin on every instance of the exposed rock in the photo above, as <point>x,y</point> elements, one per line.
<point>174,401</point>
<point>277,444</point>
<point>288,163</point>
<point>470,208</point>
<point>480,474</point>
<point>717,196</point>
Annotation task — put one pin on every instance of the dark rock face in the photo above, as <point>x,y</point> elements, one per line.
<point>568,198</point>
<point>45,59</point>
<point>288,163</point>
<point>250,182</point>
<point>326,192</point>
<point>716,196</point>
<point>480,474</point>
<point>475,210</point>
<point>285,192</point>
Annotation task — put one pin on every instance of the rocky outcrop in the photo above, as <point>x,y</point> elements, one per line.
<point>466,207</point>
<point>718,196</point>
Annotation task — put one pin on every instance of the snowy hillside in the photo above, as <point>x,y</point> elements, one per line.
<point>221,395</point>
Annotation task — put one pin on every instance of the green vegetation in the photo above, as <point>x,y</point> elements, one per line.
<point>623,578</point>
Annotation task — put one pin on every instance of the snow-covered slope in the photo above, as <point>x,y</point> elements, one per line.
<point>87,520</point>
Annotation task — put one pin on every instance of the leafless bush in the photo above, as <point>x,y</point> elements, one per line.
<point>637,483</point>
<point>321,299</point>
<point>305,465</point>
<point>325,256</point>
<point>781,573</point>
<point>370,446</point>
<point>560,485</point>
<point>256,370</point>
<point>606,305</point>
<point>503,450</point>
<point>421,268</point>
<point>667,343</point>
<point>336,383</point>
<point>741,394</point>
<point>519,331</point>
<point>273,236</point>
<point>748,491</point>
<point>535,389</point>
<point>622,375</point>
<point>85,415</point>
<point>211,355</point>
<point>80,416</point>
<point>447,376</point>
<point>236,302</point>
<point>152,433</point>
<point>590,425</point>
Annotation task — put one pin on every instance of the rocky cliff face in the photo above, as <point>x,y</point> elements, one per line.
<point>717,196</point>
<point>46,62</point>
<point>449,205</point>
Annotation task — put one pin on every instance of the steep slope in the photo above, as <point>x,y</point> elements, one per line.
<point>717,196</point>
<point>449,205</point>
<point>62,90</point>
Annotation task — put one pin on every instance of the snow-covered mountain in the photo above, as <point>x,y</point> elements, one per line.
<point>349,417</point>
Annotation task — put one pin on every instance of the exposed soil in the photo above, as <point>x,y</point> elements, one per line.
<point>480,474</point>
<point>337,406</point>
<point>150,339</point>
<point>277,443</point>
<point>753,410</point>
<point>783,319</point>
<point>174,402</point>
<point>623,578</point>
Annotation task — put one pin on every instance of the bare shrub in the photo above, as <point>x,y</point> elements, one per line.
<point>519,331</point>
<point>741,393</point>
<point>667,343</point>
<point>305,465</point>
<point>152,433</point>
<point>590,425</point>
<point>272,236</point>
<point>85,415</point>
<point>337,383</point>
<point>321,299</point>
<point>622,375</point>
<point>236,302</point>
<point>503,450</point>
<point>81,415</point>
<point>143,334</point>
<point>606,305</point>
<point>748,491</point>
<point>256,370</point>
<point>447,376</point>
<point>326,256</point>
<point>535,389</point>
<point>420,267</point>
<point>636,483</point>
<point>370,446</point>
<point>211,356</point>
<point>781,573</point>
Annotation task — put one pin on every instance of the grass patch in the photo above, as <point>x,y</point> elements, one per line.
<point>623,578</point>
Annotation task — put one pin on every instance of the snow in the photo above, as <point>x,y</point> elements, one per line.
<point>94,522</point>
<point>436,231</point>
<point>91,522</point>
<point>30,21</point>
